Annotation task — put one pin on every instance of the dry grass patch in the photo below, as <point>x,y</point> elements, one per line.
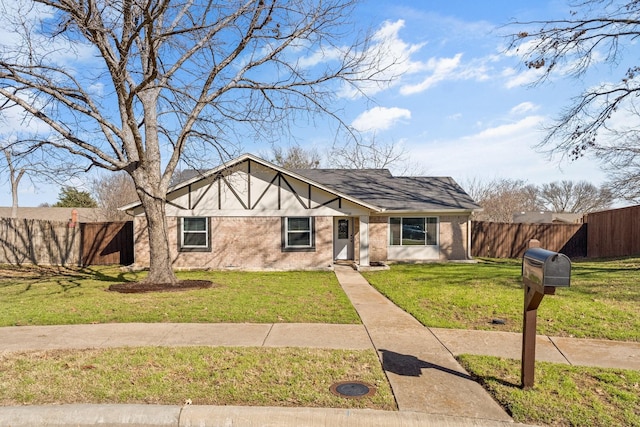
<point>205,375</point>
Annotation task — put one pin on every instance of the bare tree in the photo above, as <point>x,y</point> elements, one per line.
<point>580,197</point>
<point>604,119</point>
<point>295,157</point>
<point>479,189</point>
<point>501,198</point>
<point>112,191</point>
<point>373,154</point>
<point>169,77</point>
<point>15,175</point>
<point>36,166</point>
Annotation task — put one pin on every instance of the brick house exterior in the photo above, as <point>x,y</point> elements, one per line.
<point>252,215</point>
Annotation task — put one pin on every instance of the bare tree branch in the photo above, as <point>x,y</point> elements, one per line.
<point>602,120</point>
<point>137,85</point>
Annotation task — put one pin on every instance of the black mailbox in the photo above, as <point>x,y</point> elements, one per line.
<point>542,272</point>
<point>544,268</point>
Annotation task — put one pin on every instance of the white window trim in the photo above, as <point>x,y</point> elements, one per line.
<point>289,232</point>
<point>285,235</point>
<point>437,244</point>
<point>204,247</point>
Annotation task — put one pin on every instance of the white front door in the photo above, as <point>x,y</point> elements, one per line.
<point>343,238</point>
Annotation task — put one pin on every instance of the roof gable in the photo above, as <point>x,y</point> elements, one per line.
<point>201,181</point>
<point>374,189</point>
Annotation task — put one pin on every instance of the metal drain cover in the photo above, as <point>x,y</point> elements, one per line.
<point>352,389</point>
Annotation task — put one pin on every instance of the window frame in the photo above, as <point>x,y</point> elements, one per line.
<point>427,220</point>
<point>298,248</point>
<point>194,248</point>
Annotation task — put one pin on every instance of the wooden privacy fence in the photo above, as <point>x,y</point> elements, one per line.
<point>32,241</point>
<point>502,240</point>
<point>614,233</point>
<point>105,243</point>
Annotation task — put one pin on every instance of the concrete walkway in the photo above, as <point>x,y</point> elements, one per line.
<point>430,387</point>
<point>422,372</point>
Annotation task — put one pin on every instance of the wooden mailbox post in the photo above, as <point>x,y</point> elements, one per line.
<point>542,272</point>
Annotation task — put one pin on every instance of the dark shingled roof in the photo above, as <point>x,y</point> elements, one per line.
<point>400,193</point>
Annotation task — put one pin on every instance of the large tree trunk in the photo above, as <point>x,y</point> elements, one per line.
<point>160,264</point>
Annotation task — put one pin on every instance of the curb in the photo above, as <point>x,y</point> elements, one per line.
<point>224,416</point>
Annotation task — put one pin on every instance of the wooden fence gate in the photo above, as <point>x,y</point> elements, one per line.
<point>502,240</point>
<point>106,243</point>
<point>614,233</point>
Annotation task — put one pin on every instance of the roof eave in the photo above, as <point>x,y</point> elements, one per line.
<point>431,211</point>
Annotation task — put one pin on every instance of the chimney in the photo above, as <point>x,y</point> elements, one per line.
<point>74,218</point>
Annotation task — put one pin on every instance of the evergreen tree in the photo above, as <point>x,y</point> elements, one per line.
<point>70,197</point>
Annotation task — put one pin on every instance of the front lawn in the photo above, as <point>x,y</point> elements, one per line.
<point>562,395</point>
<point>602,302</point>
<point>201,375</point>
<point>59,296</point>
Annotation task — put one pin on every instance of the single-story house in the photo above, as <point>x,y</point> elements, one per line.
<point>253,215</point>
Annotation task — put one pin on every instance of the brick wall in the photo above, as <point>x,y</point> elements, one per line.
<point>248,243</point>
<point>254,243</point>
<point>378,238</point>
<point>453,237</point>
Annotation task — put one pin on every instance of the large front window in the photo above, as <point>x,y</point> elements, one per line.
<point>194,234</point>
<point>298,233</point>
<point>413,231</point>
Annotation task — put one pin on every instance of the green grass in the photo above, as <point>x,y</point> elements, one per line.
<point>602,302</point>
<point>52,296</point>
<point>562,395</point>
<point>203,375</point>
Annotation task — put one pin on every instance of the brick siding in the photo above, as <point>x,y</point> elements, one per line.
<point>378,238</point>
<point>247,243</point>
<point>453,237</point>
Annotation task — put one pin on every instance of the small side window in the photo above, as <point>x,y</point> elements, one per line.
<point>298,234</point>
<point>194,234</point>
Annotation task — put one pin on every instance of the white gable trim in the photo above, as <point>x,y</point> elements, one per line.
<point>218,178</point>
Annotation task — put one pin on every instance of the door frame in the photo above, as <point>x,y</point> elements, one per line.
<point>338,248</point>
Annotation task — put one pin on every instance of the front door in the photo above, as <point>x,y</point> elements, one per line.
<point>343,239</point>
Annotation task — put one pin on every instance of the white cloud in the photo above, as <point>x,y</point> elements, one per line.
<point>380,118</point>
<point>523,108</point>
<point>15,120</point>
<point>513,78</point>
<point>440,69</point>
<point>390,57</point>
<point>318,57</point>
<point>505,151</point>
<point>453,68</point>
<point>527,124</point>
<point>20,17</point>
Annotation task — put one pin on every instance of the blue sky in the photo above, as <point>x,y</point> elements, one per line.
<point>463,107</point>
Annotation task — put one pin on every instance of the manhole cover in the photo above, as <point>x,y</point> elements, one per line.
<point>352,389</point>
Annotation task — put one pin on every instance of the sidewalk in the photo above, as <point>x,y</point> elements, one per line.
<point>573,351</point>
<point>430,387</point>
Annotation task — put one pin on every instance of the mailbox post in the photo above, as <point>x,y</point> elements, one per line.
<point>542,272</point>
